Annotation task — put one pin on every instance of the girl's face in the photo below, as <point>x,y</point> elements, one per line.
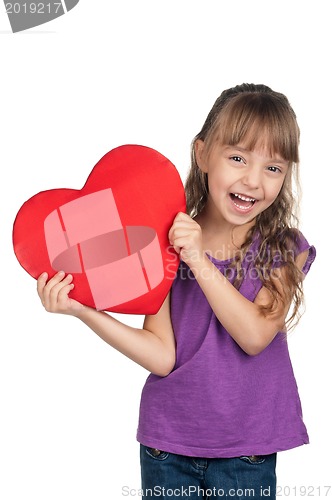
<point>242,183</point>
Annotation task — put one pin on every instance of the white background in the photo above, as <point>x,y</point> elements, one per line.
<point>146,72</point>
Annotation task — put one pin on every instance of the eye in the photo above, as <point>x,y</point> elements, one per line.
<point>274,168</point>
<point>237,159</point>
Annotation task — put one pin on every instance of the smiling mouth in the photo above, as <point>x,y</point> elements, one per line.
<point>242,202</point>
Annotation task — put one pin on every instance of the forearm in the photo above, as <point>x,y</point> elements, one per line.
<point>153,346</point>
<point>140,345</point>
<point>242,318</point>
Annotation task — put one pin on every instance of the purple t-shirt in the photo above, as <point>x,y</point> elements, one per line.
<point>218,401</point>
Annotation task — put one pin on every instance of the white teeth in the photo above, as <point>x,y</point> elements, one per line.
<point>241,207</point>
<point>244,198</point>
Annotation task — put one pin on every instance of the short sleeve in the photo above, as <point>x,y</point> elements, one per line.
<point>297,245</point>
<point>303,246</point>
<point>311,257</point>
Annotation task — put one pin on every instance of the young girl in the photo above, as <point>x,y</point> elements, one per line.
<point>221,399</point>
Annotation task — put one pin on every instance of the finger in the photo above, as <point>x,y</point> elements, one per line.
<point>55,279</point>
<point>180,243</point>
<point>182,232</point>
<point>47,286</point>
<point>182,216</point>
<point>41,282</point>
<point>51,292</point>
<point>56,285</point>
<point>178,239</point>
<point>185,221</point>
<point>185,226</point>
<point>181,227</point>
<point>64,292</point>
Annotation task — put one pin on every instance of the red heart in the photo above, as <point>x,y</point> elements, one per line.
<point>112,235</point>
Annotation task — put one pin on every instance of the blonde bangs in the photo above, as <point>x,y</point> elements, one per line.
<point>257,121</point>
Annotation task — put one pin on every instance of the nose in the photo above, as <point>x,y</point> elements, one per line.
<point>252,177</point>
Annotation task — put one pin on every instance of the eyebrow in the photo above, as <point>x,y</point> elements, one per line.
<point>244,150</point>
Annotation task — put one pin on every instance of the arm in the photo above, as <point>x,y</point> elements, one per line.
<point>242,318</point>
<point>153,346</point>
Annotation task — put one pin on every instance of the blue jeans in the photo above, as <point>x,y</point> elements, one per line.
<point>169,476</point>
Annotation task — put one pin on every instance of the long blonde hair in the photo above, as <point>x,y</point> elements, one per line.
<point>247,113</point>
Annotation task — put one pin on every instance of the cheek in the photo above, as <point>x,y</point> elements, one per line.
<point>272,191</point>
<point>218,183</point>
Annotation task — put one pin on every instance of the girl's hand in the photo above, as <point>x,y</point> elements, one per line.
<point>54,294</point>
<point>185,236</point>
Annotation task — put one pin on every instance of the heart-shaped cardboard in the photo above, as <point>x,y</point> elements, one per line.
<point>112,235</point>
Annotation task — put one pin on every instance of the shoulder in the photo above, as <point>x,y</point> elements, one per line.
<point>296,240</point>
<point>289,246</point>
<point>304,253</point>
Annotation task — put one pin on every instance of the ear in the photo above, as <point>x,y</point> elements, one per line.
<point>200,155</point>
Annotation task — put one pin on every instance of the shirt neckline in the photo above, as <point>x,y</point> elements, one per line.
<point>218,261</point>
